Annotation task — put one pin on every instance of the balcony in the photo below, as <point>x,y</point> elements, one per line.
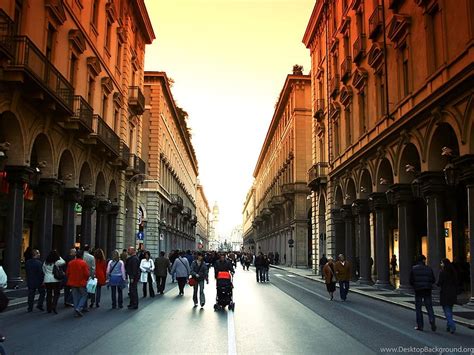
<point>193,220</point>
<point>319,108</point>
<point>7,31</point>
<point>135,165</point>
<point>123,160</point>
<point>176,203</point>
<point>81,119</point>
<point>317,175</point>
<point>105,138</point>
<point>375,22</point>
<point>334,85</point>
<point>288,190</point>
<point>136,100</point>
<point>266,213</point>
<point>358,48</point>
<point>275,202</point>
<point>42,80</point>
<point>186,212</point>
<point>346,68</point>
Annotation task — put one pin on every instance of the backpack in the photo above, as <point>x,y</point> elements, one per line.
<point>58,273</point>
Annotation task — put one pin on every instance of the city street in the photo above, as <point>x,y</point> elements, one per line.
<point>288,315</point>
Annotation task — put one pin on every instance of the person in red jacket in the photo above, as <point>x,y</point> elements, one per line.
<point>100,271</point>
<point>77,275</point>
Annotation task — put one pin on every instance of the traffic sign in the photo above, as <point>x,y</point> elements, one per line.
<point>140,235</point>
<point>162,237</point>
<point>291,242</point>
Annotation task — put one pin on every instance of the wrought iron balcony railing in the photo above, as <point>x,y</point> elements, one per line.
<point>346,68</point>
<point>334,85</point>
<point>124,158</point>
<point>317,174</point>
<point>375,22</point>
<point>136,100</point>
<point>107,135</point>
<point>358,48</point>
<point>136,164</point>
<point>319,108</point>
<point>83,113</point>
<point>186,212</point>
<point>7,31</point>
<point>176,201</point>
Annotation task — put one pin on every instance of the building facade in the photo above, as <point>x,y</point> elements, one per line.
<point>248,216</point>
<point>282,208</point>
<point>202,211</point>
<point>168,191</point>
<point>393,133</point>
<point>214,237</point>
<point>70,114</point>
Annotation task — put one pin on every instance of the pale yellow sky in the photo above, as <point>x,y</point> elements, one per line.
<point>229,60</point>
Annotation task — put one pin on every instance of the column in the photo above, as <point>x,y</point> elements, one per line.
<point>103,209</point>
<point>17,176</point>
<point>339,227</point>
<point>47,189</point>
<point>88,204</point>
<point>470,209</point>
<point>379,204</point>
<point>349,238</point>
<point>71,197</point>
<point>433,188</point>
<point>401,195</point>
<point>361,209</point>
<point>112,230</point>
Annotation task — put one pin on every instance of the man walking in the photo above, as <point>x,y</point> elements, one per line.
<point>90,260</point>
<point>422,279</point>
<point>343,274</point>
<point>133,271</point>
<point>68,301</point>
<point>259,267</point>
<point>35,277</point>
<point>323,261</point>
<point>77,274</point>
<point>162,265</point>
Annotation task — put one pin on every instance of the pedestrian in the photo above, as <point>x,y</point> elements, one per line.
<point>52,284</point>
<point>248,260</point>
<point>322,262</point>
<point>117,278</point>
<point>90,260</point>
<point>100,273</point>
<point>266,268</point>
<point>393,264</point>
<point>222,264</point>
<point>172,256</point>
<point>27,254</point>
<point>68,301</point>
<point>422,279</point>
<point>259,267</point>
<point>147,277</point>
<point>343,269</point>
<point>200,273</point>
<point>277,258</point>
<point>330,277</point>
<point>162,265</point>
<point>182,269</point>
<point>35,279</point>
<point>448,282</point>
<point>133,270</point>
<point>77,274</point>
<point>124,256</point>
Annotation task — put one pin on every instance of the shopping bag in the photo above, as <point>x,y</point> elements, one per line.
<point>91,285</point>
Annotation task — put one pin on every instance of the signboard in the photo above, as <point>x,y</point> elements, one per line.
<point>140,235</point>
<point>291,242</point>
<point>77,208</point>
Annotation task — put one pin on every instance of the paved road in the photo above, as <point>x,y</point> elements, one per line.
<point>290,315</point>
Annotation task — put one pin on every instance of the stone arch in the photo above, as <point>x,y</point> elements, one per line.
<point>365,184</point>
<point>338,197</point>
<point>384,177</point>
<point>350,192</point>
<point>443,136</point>
<point>471,139</point>
<point>112,195</point>
<point>66,169</point>
<point>100,186</point>
<point>41,156</point>
<point>12,135</point>
<point>85,178</point>
<point>409,160</point>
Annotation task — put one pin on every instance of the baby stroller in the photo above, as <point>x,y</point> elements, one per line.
<point>224,291</point>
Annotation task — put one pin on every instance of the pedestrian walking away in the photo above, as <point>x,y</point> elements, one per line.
<point>182,270</point>
<point>329,275</point>
<point>422,279</point>
<point>147,277</point>
<point>117,279</point>
<point>100,273</point>
<point>52,269</point>
<point>133,271</point>
<point>448,282</point>
<point>162,265</point>
<point>200,273</point>
<point>68,301</point>
<point>77,274</point>
<point>34,280</point>
<point>266,268</point>
<point>343,269</point>
<point>322,262</point>
<point>393,264</point>
<point>259,267</point>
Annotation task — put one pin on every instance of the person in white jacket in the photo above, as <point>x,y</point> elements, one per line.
<point>52,284</point>
<point>182,269</point>
<point>147,266</point>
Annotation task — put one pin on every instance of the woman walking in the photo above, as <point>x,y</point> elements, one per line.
<point>117,278</point>
<point>100,272</point>
<point>330,277</point>
<point>182,270</point>
<point>200,273</point>
<point>51,283</point>
<point>147,276</point>
<point>447,282</point>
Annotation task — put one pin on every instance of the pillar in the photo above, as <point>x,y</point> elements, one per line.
<point>339,230</point>
<point>112,230</point>
<point>88,204</point>
<point>47,189</point>
<point>17,176</point>
<point>103,209</point>
<point>71,197</point>
<point>361,210</point>
<point>470,209</point>
<point>379,205</point>
<point>349,238</point>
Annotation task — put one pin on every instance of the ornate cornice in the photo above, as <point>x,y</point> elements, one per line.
<point>56,11</point>
<point>93,63</point>
<point>77,40</point>
<point>359,80</point>
<point>107,85</point>
<point>375,56</point>
<point>398,29</point>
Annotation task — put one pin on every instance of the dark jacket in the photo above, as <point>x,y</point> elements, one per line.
<point>259,261</point>
<point>223,266</point>
<point>448,288</point>
<point>199,272</point>
<point>34,273</point>
<point>132,266</point>
<point>422,277</point>
<point>162,264</point>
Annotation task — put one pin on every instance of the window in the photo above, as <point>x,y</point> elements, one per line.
<point>380,86</point>
<point>435,32</point>
<point>118,62</point>
<point>348,126</point>
<point>105,105</point>
<point>337,138</point>
<point>405,72</point>
<point>108,32</point>
<point>73,70</point>
<point>363,122</point>
<point>95,12</point>
<point>117,121</point>
<point>50,42</point>
<point>18,17</point>
<point>90,91</point>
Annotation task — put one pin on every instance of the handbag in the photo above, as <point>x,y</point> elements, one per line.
<point>91,285</point>
<point>192,282</point>
<point>58,273</point>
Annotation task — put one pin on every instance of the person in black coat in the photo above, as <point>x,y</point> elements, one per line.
<point>223,265</point>
<point>34,279</point>
<point>422,279</point>
<point>447,281</point>
<point>259,266</point>
<point>132,267</point>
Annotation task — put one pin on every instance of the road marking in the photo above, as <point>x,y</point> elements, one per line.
<point>279,275</point>
<point>232,346</point>
<point>291,275</point>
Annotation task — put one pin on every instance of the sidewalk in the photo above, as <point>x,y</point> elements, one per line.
<point>462,315</point>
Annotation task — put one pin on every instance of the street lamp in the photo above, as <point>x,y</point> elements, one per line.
<point>450,172</point>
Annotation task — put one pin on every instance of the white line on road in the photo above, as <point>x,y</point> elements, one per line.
<point>291,275</point>
<point>232,346</point>
<point>279,275</point>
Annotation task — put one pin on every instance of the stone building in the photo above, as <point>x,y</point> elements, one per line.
<point>71,101</point>
<point>393,133</point>
<point>282,208</point>
<point>248,215</point>
<point>168,192</point>
<point>214,237</point>
<point>202,211</point>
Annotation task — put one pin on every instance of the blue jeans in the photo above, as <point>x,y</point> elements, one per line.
<point>79,294</point>
<point>424,297</point>
<point>199,287</point>
<point>448,312</point>
<point>343,289</point>
<point>115,290</point>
